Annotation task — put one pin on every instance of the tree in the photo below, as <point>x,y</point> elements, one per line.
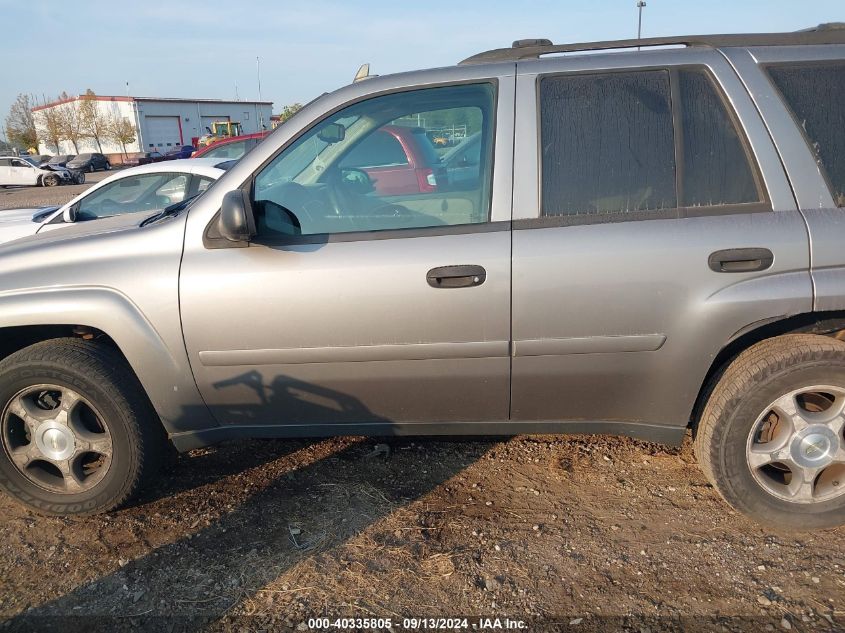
<point>120,130</point>
<point>69,121</point>
<point>91,120</point>
<point>50,121</point>
<point>288,111</point>
<point>20,124</point>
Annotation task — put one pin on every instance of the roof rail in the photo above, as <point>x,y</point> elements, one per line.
<point>830,33</point>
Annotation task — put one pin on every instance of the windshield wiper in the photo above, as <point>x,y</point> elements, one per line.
<point>170,211</point>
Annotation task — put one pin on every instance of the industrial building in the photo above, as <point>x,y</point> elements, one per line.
<point>161,124</point>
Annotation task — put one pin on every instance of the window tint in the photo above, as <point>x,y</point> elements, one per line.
<point>5,162</point>
<point>145,192</point>
<point>716,169</point>
<point>372,166</point>
<point>608,145</point>
<point>816,95</point>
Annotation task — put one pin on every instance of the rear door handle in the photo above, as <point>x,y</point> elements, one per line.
<point>456,276</point>
<point>741,260</point>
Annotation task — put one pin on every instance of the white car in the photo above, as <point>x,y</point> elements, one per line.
<point>19,171</point>
<point>144,189</point>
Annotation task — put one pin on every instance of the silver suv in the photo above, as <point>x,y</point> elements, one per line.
<point>637,243</point>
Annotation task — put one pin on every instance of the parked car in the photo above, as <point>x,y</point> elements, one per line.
<point>681,268</point>
<point>398,160</point>
<point>19,171</point>
<point>89,162</point>
<point>37,159</point>
<point>183,152</point>
<point>146,189</point>
<point>231,148</point>
<point>463,161</point>
<point>60,161</point>
<point>145,158</point>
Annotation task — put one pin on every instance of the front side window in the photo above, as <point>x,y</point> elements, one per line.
<point>145,192</point>
<point>815,93</point>
<point>373,166</point>
<point>609,145</point>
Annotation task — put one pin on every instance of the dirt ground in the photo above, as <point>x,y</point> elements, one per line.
<point>19,197</point>
<point>580,534</point>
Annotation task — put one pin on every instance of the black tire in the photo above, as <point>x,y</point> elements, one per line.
<point>101,376</point>
<point>50,180</point>
<point>755,379</point>
<point>91,168</point>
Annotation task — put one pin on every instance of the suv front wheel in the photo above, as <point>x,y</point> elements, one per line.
<point>770,438</point>
<point>79,435</point>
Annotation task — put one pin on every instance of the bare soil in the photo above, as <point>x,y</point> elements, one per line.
<point>581,534</point>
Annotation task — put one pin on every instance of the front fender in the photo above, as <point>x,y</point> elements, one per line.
<point>161,367</point>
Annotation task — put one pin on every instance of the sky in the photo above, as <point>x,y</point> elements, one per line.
<point>207,48</point>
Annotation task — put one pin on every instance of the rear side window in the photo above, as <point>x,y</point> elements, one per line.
<point>611,145</point>
<point>607,143</point>
<point>715,167</point>
<point>815,93</point>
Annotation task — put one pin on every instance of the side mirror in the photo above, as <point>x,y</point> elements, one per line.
<point>69,214</point>
<point>236,223</point>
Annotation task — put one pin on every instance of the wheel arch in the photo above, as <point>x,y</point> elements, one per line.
<point>111,318</point>
<point>830,323</point>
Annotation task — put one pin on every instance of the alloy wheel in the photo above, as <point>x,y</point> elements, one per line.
<point>56,439</point>
<point>796,448</point>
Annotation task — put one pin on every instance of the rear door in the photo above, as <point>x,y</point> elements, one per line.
<point>22,173</point>
<point>6,171</point>
<point>661,225</point>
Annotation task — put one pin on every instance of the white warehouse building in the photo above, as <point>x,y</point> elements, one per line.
<point>161,124</point>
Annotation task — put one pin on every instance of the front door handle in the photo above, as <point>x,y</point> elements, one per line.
<point>740,260</point>
<point>456,276</point>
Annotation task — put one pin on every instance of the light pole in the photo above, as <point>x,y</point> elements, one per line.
<point>640,5</point>
<point>260,113</point>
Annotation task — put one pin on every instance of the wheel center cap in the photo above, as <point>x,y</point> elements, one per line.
<point>814,447</point>
<point>54,440</point>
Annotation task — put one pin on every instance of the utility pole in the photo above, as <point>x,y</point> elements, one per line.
<point>260,113</point>
<point>640,5</point>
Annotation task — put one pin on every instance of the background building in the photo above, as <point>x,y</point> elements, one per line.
<point>160,124</point>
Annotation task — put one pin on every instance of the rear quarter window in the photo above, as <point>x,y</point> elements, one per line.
<point>815,94</point>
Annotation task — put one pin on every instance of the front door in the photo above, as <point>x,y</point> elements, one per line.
<point>662,227</point>
<point>351,307</point>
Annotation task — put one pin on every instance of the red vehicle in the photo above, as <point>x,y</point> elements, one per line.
<point>231,148</point>
<point>399,160</point>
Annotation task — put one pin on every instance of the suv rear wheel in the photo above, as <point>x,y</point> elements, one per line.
<point>770,438</point>
<point>78,434</point>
